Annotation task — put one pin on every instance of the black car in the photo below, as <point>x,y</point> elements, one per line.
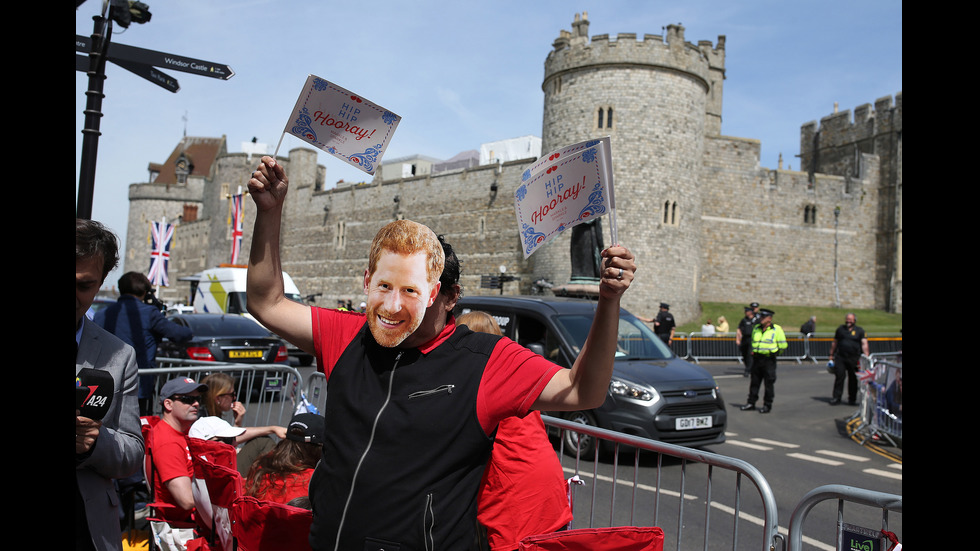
<point>225,338</point>
<point>653,393</point>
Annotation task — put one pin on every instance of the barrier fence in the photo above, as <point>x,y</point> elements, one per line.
<point>848,536</point>
<point>814,347</point>
<point>702,486</point>
<point>270,392</point>
<point>879,417</point>
<point>660,487</point>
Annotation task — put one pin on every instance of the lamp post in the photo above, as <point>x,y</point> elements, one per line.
<point>836,267</point>
<point>93,115</point>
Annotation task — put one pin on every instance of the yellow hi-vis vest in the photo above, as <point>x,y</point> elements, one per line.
<point>768,341</point>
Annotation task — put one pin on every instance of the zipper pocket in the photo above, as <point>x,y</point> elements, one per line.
<point>447,389</point>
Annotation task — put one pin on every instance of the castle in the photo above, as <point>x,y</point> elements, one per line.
<point>705,221</point>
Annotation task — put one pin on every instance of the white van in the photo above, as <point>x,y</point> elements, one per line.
<point>222,289</point>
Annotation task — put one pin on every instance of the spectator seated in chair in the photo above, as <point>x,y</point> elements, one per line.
<point>220,400</point>
<point>284,473</point>
<point>172,466</point>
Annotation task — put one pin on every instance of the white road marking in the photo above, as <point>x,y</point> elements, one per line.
<point>775,443</point>
<point>815,459</point>
<point>886,474</point>
<point>747,445</point>
<point>840,455</point>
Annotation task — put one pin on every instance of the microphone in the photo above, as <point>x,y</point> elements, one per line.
<point>93,392</point>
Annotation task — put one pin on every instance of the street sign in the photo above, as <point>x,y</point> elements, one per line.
<point>159,78</point>
<point>151,74</point>
<point>121,52</point>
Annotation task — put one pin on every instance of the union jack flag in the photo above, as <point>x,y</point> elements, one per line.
<point>237,225</point>
<point>162,234</point>
<point>866,375</point>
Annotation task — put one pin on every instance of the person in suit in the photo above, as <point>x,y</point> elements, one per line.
<point>113,446</point>
<point>142,326</point>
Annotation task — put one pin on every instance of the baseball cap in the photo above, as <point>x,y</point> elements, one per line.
<point>180,385</point>
<point>306,427</point>
<point>207,428</point>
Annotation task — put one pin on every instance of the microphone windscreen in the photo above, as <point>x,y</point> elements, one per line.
<point>93,392</point>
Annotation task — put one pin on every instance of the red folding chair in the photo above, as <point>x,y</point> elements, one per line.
<point>269,526</point>
<point>616,538</point>
<point>217,485</point>
<point>214,452</point>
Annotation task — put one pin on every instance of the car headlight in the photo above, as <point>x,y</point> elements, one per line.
<point>618,387</point>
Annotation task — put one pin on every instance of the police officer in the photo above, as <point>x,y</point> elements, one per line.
<point>768,340</point>
<point>663,324</point>
<point>743,339</point>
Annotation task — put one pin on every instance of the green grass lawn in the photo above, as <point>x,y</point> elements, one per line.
<point>792,317</point>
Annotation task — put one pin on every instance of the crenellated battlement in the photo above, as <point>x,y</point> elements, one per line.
<point>829,145</point>
<point>574,50</point>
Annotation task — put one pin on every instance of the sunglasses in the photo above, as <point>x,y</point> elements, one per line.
<point>186,399</point>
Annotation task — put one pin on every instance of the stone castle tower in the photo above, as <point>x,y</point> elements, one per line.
<point>656,98</point>
<point>692,204</point>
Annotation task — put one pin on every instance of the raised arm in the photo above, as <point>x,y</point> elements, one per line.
<point>264,285</point>
<point>584,386</point>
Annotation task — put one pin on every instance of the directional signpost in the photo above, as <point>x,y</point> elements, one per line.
<point>139,61</point>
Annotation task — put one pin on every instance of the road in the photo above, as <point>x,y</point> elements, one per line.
<point>799,446</point>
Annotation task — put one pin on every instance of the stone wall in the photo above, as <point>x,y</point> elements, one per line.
<point>759,245</point>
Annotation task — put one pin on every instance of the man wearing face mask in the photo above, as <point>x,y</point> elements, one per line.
<point>413,407</point>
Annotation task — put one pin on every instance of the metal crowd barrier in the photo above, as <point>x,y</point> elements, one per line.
<point>847,537</point>
<point>818,344</point>
<point>316,390</point>
<point>880,414</point>
<point>737,472</point>
<point>697,468</point>
<point>269,392</point>
<point>814,347</point>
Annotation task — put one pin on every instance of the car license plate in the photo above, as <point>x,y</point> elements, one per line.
<point>688,423</point>
<point>245,353</point>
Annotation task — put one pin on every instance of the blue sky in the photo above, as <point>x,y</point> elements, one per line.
<point>462,73</point>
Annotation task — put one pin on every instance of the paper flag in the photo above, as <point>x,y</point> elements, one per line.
<point>342,123</point>
<point>563,189</point>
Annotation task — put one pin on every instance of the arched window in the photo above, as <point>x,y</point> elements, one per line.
<point>604,117</point>
<point>810,214</point>
<point>671,213</point>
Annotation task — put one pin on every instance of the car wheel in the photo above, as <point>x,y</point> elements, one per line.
<point>578,443</point>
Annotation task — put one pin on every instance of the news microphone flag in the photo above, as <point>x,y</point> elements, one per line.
<point>162,235</point>
<point>565,188</point>
<point>93,392</point>
<point>237,225</point>
<point>342,123</point>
